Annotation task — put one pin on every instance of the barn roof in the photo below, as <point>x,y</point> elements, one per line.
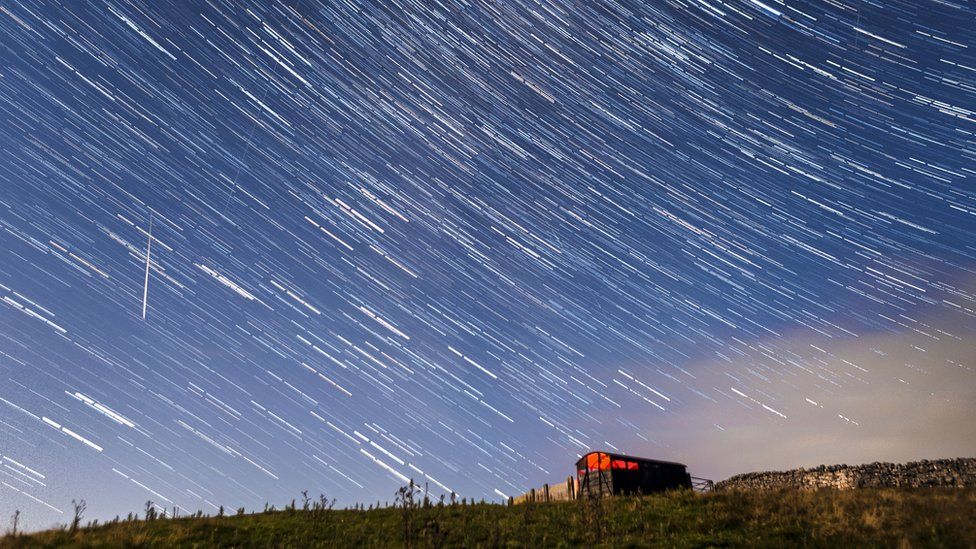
<point>631,458</point>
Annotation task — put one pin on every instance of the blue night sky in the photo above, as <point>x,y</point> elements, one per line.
<point>465,242</point>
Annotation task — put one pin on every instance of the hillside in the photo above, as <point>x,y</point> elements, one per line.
<point>824,518</point>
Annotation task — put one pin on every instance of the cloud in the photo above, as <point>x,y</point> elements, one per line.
<point>890,396</point>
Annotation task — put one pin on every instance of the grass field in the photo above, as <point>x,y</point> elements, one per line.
<point>929,517</point>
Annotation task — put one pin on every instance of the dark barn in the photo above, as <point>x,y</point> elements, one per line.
<point>605,474</point>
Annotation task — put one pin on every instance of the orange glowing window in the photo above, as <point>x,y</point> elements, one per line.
<point>597,461</point>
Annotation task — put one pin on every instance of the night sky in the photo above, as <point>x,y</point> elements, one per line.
<point>465,242</point>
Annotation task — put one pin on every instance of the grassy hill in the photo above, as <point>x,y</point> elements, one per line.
<point>924,517</point>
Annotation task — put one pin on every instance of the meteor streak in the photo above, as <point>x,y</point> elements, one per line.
<point>145,287</point>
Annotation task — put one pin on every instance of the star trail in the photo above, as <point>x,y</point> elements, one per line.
<point>251,248</point>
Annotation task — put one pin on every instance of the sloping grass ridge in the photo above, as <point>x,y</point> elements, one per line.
<point>883,517</point>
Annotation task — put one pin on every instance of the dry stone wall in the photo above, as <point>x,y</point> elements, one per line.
<point>957,472</point>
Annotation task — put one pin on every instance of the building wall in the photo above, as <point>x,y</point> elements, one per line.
<point>597,484</point>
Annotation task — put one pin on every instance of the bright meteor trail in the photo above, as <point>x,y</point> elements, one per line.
<point>145,288</point>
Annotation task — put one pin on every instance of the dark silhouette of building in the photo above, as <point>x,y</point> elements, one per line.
<point>604,474</point>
